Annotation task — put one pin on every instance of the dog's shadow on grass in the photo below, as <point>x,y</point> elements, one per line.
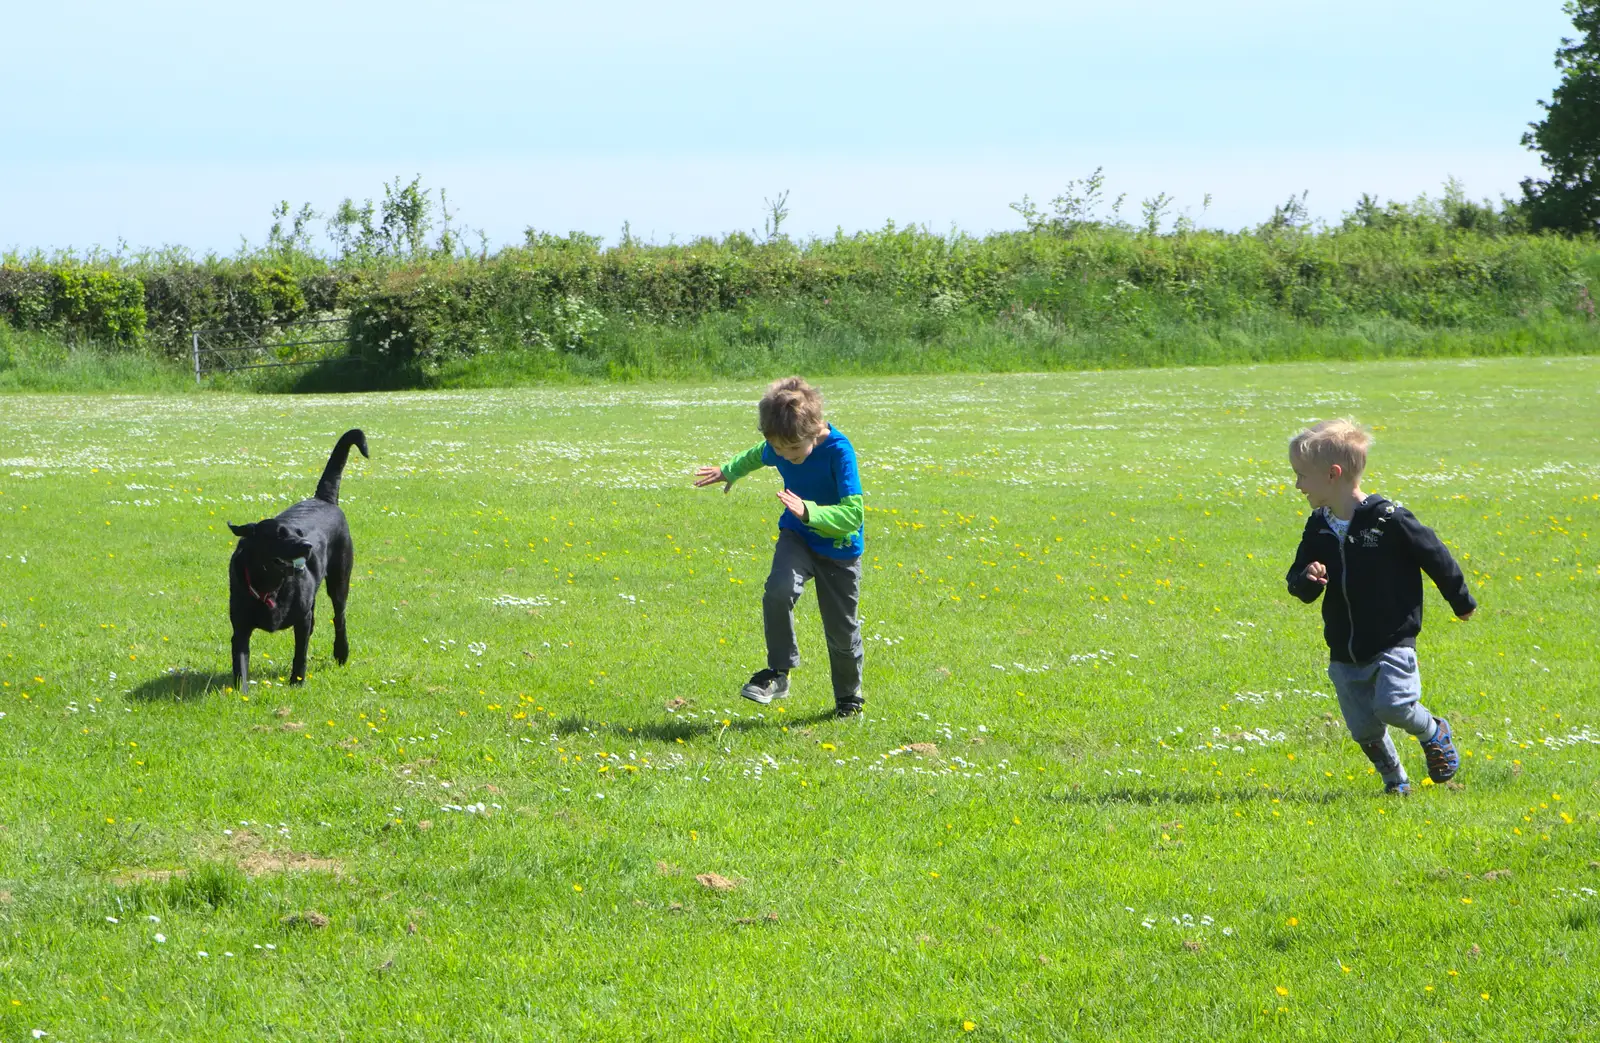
<point>675,728</point>
<point>180,686</point>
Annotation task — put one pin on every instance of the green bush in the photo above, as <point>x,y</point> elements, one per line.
<point>419,317</point>
<point>246,298</point>
<point>85,305</point>
<point>1109,290</point>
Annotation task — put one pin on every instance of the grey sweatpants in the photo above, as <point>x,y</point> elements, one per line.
<point>838,590</point>
<point>1382,691</point>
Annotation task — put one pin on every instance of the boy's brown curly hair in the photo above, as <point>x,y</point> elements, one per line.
<point>791,411</point>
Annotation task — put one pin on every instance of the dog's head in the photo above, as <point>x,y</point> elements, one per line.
<point>272,549</point>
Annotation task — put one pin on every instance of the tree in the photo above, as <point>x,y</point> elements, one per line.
<point>1568,138</point>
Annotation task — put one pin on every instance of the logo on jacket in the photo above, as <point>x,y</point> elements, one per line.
<point>1369,537</point>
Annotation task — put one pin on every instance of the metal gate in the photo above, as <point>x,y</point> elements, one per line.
<point>308,342</point>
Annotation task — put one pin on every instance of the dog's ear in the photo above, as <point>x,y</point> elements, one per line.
<point>244,531</point>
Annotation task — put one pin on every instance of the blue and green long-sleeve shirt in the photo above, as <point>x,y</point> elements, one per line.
<point>830,485</point>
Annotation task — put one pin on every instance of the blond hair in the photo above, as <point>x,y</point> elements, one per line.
<point>1342,442</point>
<point>791,411</point>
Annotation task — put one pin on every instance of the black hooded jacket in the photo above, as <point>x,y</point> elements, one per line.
<point>1374,588</point>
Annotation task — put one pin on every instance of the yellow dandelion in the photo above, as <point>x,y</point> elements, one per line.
<point>1280,990</point>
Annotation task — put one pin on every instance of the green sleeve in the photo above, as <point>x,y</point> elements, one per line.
<point>839,520</point>
<point>744,463</point>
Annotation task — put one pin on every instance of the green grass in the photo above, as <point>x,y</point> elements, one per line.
<point>31,361</point>
<point>1144,820</point>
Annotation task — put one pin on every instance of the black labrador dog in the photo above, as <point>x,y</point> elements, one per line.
<point>280,562</point>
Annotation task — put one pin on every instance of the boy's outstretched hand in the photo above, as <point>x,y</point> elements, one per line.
<point>1317,572</point>
<point>797,506</point>
<point>711,476</point>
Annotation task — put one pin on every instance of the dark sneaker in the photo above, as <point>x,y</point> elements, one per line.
<point>1443,760</point>
<point>1377,752</point>
<point>765,686</point>
<point>848,707</point>
<point>1398,789</point>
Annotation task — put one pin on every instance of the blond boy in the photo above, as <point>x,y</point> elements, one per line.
<point>1365,557</point>
<point>819,537</point>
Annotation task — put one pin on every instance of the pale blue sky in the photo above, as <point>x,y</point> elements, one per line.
<point>185,122</point>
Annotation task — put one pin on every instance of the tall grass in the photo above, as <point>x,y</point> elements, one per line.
<point>44,361</point>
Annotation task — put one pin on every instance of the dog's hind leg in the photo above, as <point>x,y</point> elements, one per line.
<point>302,642</point>
<point>241,660</point>
<point>339,593</point>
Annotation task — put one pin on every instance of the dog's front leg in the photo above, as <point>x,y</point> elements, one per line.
<point>241,660</point>
<point>302,642</point>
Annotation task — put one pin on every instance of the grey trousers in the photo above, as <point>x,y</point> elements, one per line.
<point>1383,691</point>
<point>838,591</point>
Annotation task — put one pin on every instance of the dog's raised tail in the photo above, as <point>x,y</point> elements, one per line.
<point>328,488</point>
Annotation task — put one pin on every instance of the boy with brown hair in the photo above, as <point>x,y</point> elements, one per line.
<point>1368,556</point>
<point>819,537</point>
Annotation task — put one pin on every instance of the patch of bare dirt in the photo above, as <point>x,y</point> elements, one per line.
<point>715,881</point>
<point>260,863</point>
<point>924,749</point>
<point>748,920</point>
<point>667,868</point>
<point>309,918</point>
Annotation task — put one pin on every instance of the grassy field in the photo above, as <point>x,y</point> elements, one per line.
<point>1132,812</point>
